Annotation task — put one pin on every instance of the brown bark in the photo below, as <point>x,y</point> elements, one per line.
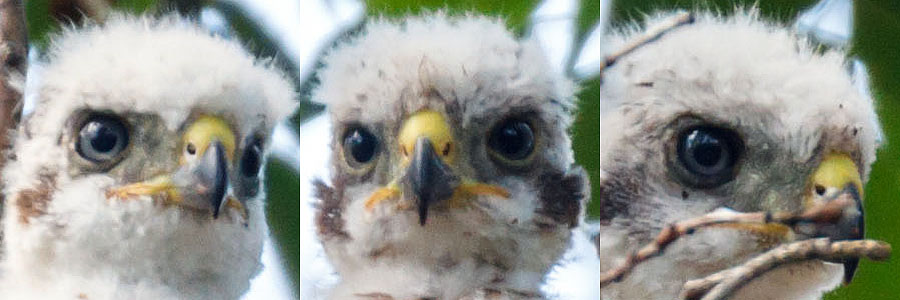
<point>14,56</point>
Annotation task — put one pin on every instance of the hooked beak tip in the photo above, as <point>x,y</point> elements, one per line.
<point>215,165</point>
<point>428,178</point>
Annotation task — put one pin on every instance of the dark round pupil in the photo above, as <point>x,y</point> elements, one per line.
<point>361,145</point>
<point>103,139</point>
<point>250,163</point>
<point>707,149</point>
<point>514,140</point>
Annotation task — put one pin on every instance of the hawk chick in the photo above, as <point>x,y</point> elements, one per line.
<point>138,176</point>
<point>728,113</point>
<point>452,167</point>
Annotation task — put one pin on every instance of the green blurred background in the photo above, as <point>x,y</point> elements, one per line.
<point>876,40</point>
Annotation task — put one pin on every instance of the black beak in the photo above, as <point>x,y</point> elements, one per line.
<point>213,173</point>
<point>851,226</point>
<point>428,178</point>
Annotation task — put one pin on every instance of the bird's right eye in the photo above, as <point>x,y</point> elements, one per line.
<point>360,146</point>
<point>709,154</point>
<point>102,138</point>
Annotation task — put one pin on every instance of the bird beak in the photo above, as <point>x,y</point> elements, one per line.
<point>203,184</point>
<point>201,181</point>
<point>428,178</point>
<point>838,177</point>
<point>428,152</point>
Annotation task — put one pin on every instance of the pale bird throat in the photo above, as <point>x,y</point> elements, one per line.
<point>428,155</point>
<point>201,181</point>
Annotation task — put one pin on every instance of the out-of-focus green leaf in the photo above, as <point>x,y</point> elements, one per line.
<point>135,6</point>
<point>586,138</point>
<point>283,213</point>
<point>514,12</point>
<point>40,23</point>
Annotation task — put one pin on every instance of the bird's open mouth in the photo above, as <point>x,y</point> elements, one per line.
<point>201,183</point>
<point>428,177</point>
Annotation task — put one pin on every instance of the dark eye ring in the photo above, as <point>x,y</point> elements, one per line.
<point>101,138</point>
<point>709,155</point>
<point>251,160</point>
<point>513,139</point>
<point>360,146</point>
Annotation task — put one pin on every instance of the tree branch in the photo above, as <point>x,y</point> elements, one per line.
<point>14,57</point>
<point>649,36</point>
<point>723,284</point>
<point>828,213</point>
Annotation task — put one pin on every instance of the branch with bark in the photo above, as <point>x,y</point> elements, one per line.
<point>647,37</point>
<point>14,56</point>
<point>723,284</point>
<point>828,213</point>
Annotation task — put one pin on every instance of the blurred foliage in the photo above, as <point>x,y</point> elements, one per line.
<point>877,42</point>
<point>46,17</point>
<point>586,131</point>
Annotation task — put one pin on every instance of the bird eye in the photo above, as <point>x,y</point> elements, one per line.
<point>251,161</point>
<point>101,138</point>
<point>709,154</point>
<point>360,146</point>
<point>512,139</point>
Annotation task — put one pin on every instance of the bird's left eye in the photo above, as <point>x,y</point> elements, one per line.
<point>251,161</point>
<point>709,154</point>
<point>360,146</point>
<point>102,138</point>
<point>512,139</point>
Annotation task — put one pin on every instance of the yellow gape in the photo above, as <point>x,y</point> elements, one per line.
<point>836,171</point>
<point>428,124</point>
<point>204,131</point>
<point>433,126</point>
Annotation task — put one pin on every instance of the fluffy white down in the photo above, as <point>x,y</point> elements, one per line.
<point>479,68</point>
<point>85,246</point>
<point>462,57</point>
<point>744,70</point>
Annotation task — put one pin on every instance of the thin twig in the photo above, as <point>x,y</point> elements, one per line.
<point>649,36</point>
<point>723,284</point>
<point>827,213</point>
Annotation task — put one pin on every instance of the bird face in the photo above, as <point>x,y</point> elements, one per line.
<point>427,163</point>
<point>143,160</point>
<point>738,116</point>
<point>447,161</point>
<point>206,176</point>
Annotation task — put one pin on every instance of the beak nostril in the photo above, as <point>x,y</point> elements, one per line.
<point>820,190</point>
<point>446,150</point>
<point>191,149</point>
<point>403,150</point>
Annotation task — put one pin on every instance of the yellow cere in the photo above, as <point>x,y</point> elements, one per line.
<point>204,130</point>
<point>837,170</point>
<point>429,124</point>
